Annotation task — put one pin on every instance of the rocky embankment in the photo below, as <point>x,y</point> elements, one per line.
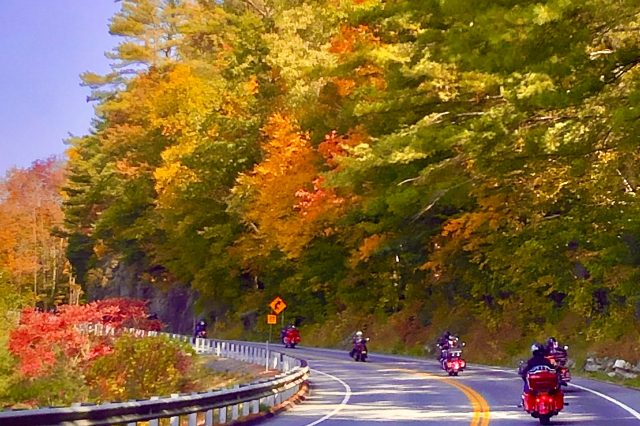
<point>612,367</point>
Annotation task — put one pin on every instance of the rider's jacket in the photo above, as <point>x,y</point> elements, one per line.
<point>535,361</point>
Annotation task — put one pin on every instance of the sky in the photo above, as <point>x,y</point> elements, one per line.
<point>44,47</point>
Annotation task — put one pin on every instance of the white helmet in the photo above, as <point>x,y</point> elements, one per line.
<point>359,333</point>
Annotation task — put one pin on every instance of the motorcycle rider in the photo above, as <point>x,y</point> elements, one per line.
<point>553,348</point>
<point>557,355</point>
<point>444,339</point>
<point>537,359</point>
<point>357,338</point>
<point>446,342</point>
<point>200,329</point>
<point>292,335</point>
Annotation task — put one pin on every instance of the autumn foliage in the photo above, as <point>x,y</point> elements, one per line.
<point>140,368</point>
<point>44,338</point>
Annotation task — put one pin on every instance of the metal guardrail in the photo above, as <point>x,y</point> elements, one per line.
<point>208,408</point>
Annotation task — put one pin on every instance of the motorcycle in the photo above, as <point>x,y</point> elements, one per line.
<point>559,360</point>
<point>291,338</point>
<point>359,351</point>
<point>453,363</point>
<point>451,359</point>
<point>544,397</point>
<point>202,334</point>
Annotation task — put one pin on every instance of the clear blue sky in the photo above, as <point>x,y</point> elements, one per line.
<point>44,46</point>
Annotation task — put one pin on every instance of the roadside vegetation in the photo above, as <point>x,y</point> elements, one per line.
<point>402,167</point>
<point>47,361</point>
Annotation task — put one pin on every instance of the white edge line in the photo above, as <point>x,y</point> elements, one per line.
<point>622,405</point>
<point>625,407</point>
<point>346,398</point>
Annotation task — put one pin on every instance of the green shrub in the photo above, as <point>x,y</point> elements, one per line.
<point>141,368</point>
<point>62,387</point>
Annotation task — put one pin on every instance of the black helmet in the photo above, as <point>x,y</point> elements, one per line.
<point>537,349</point>
<point>447,333</point>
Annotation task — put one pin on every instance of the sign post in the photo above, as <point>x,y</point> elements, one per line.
<point>277,305</point>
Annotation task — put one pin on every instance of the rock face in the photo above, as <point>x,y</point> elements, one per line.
<point>174,306</point>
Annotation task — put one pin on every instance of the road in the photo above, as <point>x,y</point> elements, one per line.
<point>409,391</point>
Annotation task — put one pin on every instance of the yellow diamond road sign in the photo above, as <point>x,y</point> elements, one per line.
<point>278,305</point>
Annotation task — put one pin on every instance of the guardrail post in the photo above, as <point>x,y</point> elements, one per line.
<point>154,422</point>
<point>175,420</point>
<point>208,418</point>
<point>222,415</point>
<point>245,408</point>
<point>193,419</point>
<point>234,407</point>
<point>255,406</point>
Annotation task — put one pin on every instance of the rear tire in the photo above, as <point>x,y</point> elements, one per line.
<point>545,420</point>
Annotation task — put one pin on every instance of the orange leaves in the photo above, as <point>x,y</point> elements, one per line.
<point>369,246</point>
<point>351,38</point>
<point>30,207</point>
<point>334,145</point>
<point>42,337</point>
<point>286,201</point>
<point>311,204</point>
<point>345,86</point>
<point>252,86</point>
<point>289,165</point>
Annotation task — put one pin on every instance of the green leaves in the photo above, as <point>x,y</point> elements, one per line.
<point>257,137</point>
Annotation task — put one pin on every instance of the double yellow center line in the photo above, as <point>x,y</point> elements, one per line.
<point>481,411</point>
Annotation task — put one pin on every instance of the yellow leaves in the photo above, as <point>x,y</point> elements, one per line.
<point>467,228</point>
<point>544,14</point>
<point>442,80</point>
<point>126,169</point>
<point>172,176</point>
<point>534,84</point>
<point>252,85</point>
<point>368,247</point>
<point>182,103</point>
<point>374,75</point>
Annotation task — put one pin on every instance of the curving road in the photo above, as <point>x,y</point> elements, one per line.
<point>410,391</point>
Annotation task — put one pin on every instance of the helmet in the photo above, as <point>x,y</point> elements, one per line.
<point>201,322</point>
<point>537,348</point>
<point>359,333</point>
<point>552,341</point>
<point>293,326</point>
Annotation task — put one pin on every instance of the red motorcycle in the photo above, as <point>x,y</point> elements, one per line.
<point>291,338</point>
<point>558,359</point>
<point>453,363</point>
<point>544,397</point>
